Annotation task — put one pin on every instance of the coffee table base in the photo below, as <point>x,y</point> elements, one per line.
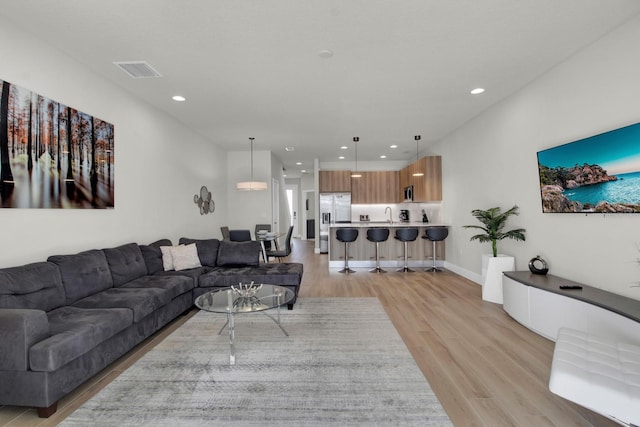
<point>232,333</point>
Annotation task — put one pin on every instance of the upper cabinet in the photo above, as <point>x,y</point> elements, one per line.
<point>388,186</point>
<point>335,181</point>
<point>426,188</point>
<point>375,187</point>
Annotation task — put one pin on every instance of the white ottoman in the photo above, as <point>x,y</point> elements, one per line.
<point>597,373</point>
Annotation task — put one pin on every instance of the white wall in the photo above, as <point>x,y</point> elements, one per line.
<point>245,209</point>
<point>491,161</point>
<point>159,164</point>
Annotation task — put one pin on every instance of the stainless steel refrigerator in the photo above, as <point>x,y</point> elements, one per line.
<point>334,208</point>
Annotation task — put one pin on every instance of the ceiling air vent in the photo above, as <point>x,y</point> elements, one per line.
<point>138,69</point>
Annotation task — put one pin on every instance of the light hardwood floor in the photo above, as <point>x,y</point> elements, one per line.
<point>486,369</point>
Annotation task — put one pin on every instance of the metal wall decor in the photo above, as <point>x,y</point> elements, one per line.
<point>204,201</point>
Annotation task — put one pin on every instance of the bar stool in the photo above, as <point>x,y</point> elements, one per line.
<point>346,235</point>
<point>406,235</point>
<point>377,235</point>
<point>435,234</point>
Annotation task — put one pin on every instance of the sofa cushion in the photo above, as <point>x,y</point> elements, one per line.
<point>153,255</point>
<point>193,273</point>
<point>283,274</point>
<point>175,284</point>
<point>35,286</point>
<point>74,331</point>
<point>141,301</point>
<point>126,263</point>
<point>185,257</point>
<point>83,274</point>
<point>207,249</point>
<point>239,254</point>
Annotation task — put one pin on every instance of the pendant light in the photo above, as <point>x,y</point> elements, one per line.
<point>251,185</point>
<point>355,143</point>
<point>417,173</point>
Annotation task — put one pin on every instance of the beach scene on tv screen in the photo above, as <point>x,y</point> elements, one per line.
<point>599,174</point>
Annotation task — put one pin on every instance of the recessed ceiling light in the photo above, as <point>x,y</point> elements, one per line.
<point>325,53</point>
<point>477,91</point>
<point>303,171</point>
<point>179,98</point>
<point>383,157</point>
<point>344,147</point>
<point>289,148</point>
<point>341,157</point>
<point>393,146</point>
<point>298,163</point>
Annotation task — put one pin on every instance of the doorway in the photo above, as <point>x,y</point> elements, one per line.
<point>291,191</point>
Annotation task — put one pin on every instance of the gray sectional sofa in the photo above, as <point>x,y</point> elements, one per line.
<point>64,320</point>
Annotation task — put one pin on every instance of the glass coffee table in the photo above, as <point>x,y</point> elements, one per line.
<point>245,299</point>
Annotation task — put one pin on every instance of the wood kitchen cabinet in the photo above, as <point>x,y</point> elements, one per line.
<point>375,187</point>
<point>404,179</point>
<point>334,181</point>
<point>426,188</point>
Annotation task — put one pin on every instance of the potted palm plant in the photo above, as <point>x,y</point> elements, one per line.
<point>493,222</point>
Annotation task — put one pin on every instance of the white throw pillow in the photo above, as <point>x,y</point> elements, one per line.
<point>167,257</point>
<point>185,257</point>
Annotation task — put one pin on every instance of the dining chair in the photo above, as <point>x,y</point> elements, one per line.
<point>225,233</point>
<point>266,227</point>
<point>287,247</point>
<point>239,235</point>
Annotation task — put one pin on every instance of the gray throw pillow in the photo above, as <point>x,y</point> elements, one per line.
<point>239,254</point>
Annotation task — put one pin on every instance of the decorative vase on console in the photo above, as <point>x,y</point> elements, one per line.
<point>493,265</point>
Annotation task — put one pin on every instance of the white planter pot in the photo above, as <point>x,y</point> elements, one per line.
<point>492,268</point>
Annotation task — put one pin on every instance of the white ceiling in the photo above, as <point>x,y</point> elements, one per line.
<point>252,67</point>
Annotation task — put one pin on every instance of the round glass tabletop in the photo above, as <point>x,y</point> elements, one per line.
<point>227,300</point>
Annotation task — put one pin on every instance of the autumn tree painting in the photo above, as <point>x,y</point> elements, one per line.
<point>51,155</point>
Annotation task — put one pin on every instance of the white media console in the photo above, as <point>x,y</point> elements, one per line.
<point>537,302</point>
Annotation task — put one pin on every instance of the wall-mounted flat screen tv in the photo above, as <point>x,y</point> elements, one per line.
<point>599,174</point>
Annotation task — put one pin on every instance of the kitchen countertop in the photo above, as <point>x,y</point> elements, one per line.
<point>395,224</point>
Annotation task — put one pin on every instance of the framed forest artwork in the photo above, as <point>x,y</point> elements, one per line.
<point>52,155</point>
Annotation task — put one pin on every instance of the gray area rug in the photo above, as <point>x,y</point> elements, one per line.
<point>343,364</point>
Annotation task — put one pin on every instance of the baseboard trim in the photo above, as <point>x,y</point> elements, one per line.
<point>474,277</point>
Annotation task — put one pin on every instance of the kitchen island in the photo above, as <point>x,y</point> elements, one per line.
<point>362,252</point>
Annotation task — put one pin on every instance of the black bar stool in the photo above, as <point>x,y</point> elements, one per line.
<point>346,235</point>
<point>406,235</point>
<point>377,235</point>
<point>435,234</point>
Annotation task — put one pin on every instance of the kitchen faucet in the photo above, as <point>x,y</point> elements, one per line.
<point>390,214</point>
